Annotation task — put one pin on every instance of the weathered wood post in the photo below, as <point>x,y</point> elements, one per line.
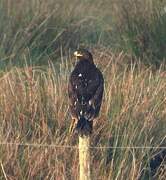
<point>84,157</point>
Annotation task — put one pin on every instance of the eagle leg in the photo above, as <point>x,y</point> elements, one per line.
<point>72,125</point>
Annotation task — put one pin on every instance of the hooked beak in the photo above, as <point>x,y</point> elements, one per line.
<point>76,54</point>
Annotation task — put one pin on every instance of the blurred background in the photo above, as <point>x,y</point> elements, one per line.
<point>41,29</point>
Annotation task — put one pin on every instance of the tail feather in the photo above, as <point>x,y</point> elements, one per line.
<point>84,127</point>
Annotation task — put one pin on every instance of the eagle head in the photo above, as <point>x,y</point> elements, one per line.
<point>83,54</point>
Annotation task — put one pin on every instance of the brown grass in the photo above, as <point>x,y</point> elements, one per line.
<point>34,110</point>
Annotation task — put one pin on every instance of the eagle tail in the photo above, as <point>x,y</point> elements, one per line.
<point>84,127</point>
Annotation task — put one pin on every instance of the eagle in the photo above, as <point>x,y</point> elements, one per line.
<point>85,91</point>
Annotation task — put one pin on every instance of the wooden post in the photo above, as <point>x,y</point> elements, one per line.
<point>84,157</point>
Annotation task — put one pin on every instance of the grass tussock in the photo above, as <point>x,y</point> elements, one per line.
<point>34,110</point>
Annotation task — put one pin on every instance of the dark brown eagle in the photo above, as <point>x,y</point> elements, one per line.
<point>85,90</point>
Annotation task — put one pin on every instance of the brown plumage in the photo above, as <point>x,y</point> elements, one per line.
<point>85,90</point>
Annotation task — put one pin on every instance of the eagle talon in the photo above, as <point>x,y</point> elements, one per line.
<point>72,126</point>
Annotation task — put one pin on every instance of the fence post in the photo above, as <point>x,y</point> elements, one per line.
<point>84,157</point>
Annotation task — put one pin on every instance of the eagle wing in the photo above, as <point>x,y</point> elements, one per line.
<point>85,94</point>
<point>96,98</point>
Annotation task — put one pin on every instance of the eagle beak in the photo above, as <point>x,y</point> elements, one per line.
<point>77,54</point>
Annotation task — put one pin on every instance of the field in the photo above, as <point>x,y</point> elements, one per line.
<point>37,41</point>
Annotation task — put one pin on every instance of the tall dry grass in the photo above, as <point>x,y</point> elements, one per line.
<point>34,110</point>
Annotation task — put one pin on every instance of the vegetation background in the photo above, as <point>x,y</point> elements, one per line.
<point>128,41</point>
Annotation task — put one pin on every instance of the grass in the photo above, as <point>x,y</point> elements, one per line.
<point>38,30</point>
<point>36,42</point>
<point>34,110</point>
